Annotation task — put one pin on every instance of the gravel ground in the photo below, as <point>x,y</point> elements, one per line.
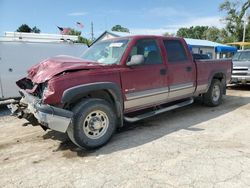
<point>195,146</point>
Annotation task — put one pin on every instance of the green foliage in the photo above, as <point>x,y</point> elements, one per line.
<point>234,19</point>
<point>213,34</point>
<point>206,33</point>
<point>84,40</point>
<point>234,25</point>
<point>74,32</point>
<point>80,38</point>
<point>248,29</point>
<point>197,32</point>
<point>226,37</point>
<point>35,30</point>
<point>119,28</point>
<point>26,29</point>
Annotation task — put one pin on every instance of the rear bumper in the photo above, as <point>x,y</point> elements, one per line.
<point>46,115</point>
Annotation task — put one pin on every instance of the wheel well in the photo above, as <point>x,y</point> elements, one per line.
<point>222,78</point>
<point>100,94</point>
<point>219,76</point>
<point>101,90</point>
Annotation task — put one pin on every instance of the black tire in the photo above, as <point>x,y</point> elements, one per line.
<point>81,131</point>
<point>213,97</point>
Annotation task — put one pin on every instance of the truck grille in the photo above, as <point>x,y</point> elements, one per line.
<point>240,71</point>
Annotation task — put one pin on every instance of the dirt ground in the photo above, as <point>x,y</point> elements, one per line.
<point>195,146</point>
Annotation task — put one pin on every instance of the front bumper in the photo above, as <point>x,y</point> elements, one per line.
<point>31,108</point>
<point>240,79</point>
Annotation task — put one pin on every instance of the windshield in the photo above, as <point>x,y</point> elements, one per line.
<point>242,56</point>
<point>106,52</point>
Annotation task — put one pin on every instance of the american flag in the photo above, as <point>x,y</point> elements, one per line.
<point>79,24</point>
<point>63,31</point>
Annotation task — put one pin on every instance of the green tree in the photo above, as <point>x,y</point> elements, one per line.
<point>119,28</point>
<point>74,32</point>
<point>35,30</point>
<point>213,34</point>
<point>234,19</point>
<point>84,40</point>
<point>80,38</point>
<point>197,32</point>
<point>226,37</point>
<point>27,29</point>
<point>248,30</point>
<point>184,32</point>
<point>24,28</point>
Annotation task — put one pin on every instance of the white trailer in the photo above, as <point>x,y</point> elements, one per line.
<point>20,51</point>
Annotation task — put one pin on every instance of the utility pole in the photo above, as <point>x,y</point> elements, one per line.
<point>92,31</point>
<point>244,29</point>
<point>244,33</point>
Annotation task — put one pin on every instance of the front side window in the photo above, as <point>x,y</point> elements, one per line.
<point>175,51</point>
<point>149,49</point>
<point>106,52</point>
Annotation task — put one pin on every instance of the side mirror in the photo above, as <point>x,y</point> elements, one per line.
<point>136,60</point>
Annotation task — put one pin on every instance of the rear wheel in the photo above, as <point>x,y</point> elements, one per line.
<point>93,124</point>
<point>213,97</point>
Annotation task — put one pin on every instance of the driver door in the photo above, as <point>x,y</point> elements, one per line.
<point>145,85</point>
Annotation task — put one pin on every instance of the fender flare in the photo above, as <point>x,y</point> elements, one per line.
<point>77,92</point>
<point>212,76</point>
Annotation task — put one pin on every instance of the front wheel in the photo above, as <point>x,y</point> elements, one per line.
<point>213,97</point>
<point>93,124</point>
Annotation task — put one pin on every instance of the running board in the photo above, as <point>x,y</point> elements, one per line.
<point>156,112</point>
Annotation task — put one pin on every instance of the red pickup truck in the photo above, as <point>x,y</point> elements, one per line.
<point>128,78</point>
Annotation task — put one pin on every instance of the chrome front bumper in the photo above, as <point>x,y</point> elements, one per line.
<point>240,78</point>
<point>46,115</point>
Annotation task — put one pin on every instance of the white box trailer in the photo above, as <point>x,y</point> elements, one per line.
<point>20,51</point>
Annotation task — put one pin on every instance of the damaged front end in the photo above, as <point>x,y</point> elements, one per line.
<point>32,109</point>
<point>40,93</point>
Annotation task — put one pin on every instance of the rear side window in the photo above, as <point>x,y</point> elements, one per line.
<point>175,51</point>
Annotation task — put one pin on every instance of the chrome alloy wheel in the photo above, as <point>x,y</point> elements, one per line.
<point>95,124</point>
<point>216,93</point>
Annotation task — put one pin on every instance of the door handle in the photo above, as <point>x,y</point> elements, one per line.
<point>188,69</point>
<point>163,71</point>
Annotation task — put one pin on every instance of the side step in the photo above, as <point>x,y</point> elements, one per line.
<point>156,112</point>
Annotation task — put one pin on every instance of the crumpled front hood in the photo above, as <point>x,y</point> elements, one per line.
<point>241,64</point>
<point>48,68</point>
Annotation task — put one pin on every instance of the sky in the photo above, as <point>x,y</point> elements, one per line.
<point>140,17</point>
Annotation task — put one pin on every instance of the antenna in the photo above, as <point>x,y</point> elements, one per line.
<point>92,31</point>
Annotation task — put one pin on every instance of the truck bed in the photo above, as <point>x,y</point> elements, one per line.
<point>207,68</point>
